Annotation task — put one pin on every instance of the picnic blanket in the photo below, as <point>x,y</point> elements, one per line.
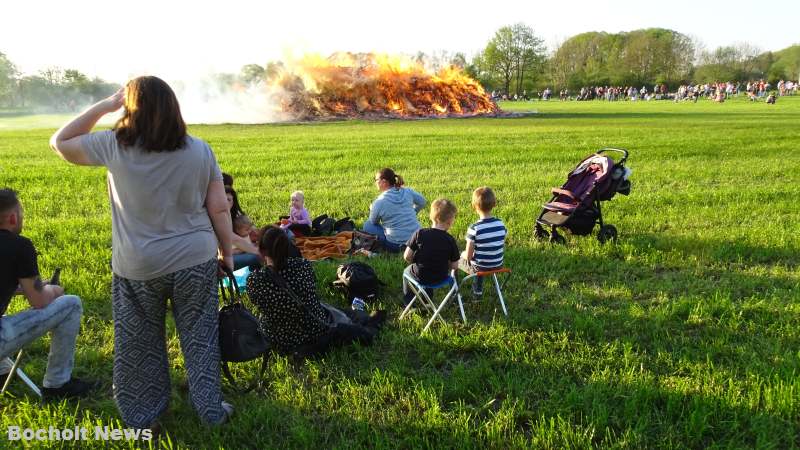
<point>321,247</point>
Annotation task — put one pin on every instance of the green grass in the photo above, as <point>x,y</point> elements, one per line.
<point>684,334</point>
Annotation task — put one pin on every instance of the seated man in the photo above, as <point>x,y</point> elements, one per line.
<point>51,309</point>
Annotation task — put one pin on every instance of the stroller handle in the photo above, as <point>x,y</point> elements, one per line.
<point>618,150</point>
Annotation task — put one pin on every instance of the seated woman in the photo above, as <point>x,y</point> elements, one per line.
<point>291,315</point>
<point>245,251</point>
<point>393,215</point>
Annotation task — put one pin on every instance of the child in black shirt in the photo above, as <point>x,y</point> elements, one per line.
<point>432,252</point>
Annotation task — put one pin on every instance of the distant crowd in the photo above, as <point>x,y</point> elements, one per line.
<point>719,91</point>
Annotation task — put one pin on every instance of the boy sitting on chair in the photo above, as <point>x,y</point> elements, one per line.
<point>51,310</point>
<point>485,239</point>
<point>432,252</point>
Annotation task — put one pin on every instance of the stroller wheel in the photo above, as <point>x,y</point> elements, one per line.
<point>556,238</point>
<point>607,233</point>
<point>540,233</point>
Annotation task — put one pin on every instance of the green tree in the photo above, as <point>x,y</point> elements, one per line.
<point>253,74</point>
<point>786,65</point>
<point>8,81</point>
<point>653,55</point>
<point>513,55</point>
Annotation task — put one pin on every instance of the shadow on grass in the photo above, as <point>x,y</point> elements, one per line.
<point>723,251</point>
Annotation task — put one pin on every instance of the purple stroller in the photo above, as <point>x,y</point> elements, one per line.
<point>576,205</point>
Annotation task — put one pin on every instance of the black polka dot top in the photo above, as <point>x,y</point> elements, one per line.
<point>286,323</point>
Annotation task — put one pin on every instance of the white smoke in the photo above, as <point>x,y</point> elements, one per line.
<point>218,99</point>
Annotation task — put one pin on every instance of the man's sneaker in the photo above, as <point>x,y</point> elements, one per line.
<point>477,295</point>
<point>75,387</point>
<point>5,366</point>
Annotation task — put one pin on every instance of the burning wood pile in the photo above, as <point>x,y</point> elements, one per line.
<point>347,85</point>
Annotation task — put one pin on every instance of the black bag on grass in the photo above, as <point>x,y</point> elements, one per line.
<point>344,225</point>
<point>240,335</point>
<point>322,225</point>
<point>357,279</point>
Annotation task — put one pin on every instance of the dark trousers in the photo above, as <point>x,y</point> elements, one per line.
<point>141,369</point>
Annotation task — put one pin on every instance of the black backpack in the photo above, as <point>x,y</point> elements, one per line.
<point>357,279</point>
<point>322,225</point>
<point>344,225</point>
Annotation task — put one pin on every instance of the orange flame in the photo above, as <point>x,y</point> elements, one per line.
<point>374,85</point>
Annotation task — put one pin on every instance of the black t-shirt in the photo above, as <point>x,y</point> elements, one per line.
<point>17,260</point>
<point>433,249</point>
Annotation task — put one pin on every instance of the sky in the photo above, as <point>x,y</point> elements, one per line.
<point>178,39</point>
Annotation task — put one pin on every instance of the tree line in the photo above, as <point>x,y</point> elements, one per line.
<point>52,89</point>
<point>515,60</point>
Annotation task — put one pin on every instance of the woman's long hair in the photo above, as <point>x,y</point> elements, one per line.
<point>152,117</point>
<point>275,244</point>
<point>236,210</point>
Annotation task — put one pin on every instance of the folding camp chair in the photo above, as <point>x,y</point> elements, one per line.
<point>420,294</point>
<point>493,274</point>
<point>16,370</point>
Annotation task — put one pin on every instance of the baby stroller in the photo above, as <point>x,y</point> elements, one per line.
<point>576,205</point>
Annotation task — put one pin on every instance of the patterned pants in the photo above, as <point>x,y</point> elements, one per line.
<point>141,371</point>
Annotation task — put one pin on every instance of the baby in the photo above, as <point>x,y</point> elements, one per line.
<point>243,226</point>
<point>298,214</point>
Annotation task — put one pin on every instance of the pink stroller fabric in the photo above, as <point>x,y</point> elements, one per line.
<point>592,173</point>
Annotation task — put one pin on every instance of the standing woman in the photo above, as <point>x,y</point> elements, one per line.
<point>170,220</point>
<point>393,215</point>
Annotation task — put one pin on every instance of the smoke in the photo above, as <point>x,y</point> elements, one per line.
<point>221,98</point>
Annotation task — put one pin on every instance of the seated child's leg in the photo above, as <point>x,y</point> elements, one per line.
<point>477,286</point>
<point>464,265</point>
<point>407,293</point>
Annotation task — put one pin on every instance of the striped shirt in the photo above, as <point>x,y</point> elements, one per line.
<point>489,236</point>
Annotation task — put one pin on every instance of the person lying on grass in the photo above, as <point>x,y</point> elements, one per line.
<point>295,321</point>
<point>51,310</point>
<point>432,252</point>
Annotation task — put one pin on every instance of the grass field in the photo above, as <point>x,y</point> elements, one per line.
<point>685,334</point>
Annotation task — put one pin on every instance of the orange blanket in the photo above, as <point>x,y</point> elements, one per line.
<point>321,247</point>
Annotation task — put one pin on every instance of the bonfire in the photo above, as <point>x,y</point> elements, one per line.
<point>368,85</point>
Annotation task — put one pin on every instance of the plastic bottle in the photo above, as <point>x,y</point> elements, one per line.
<point>359,304</point>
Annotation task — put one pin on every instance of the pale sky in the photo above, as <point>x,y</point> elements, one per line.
<point>178,38</point>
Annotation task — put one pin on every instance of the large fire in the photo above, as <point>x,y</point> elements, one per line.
<point>373,85</point>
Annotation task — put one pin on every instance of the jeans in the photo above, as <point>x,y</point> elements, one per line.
<point>408,294</point>
<point>470,268</point>
<point>246,260</point>
<point>377,230</point>
<point>62,318</point>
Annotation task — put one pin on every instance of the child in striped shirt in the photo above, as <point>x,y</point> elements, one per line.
<point>485,239</point>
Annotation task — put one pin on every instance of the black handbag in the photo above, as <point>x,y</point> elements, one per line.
<point>240,335</point>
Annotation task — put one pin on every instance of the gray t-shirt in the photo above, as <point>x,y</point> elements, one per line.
<point>159,221</point>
